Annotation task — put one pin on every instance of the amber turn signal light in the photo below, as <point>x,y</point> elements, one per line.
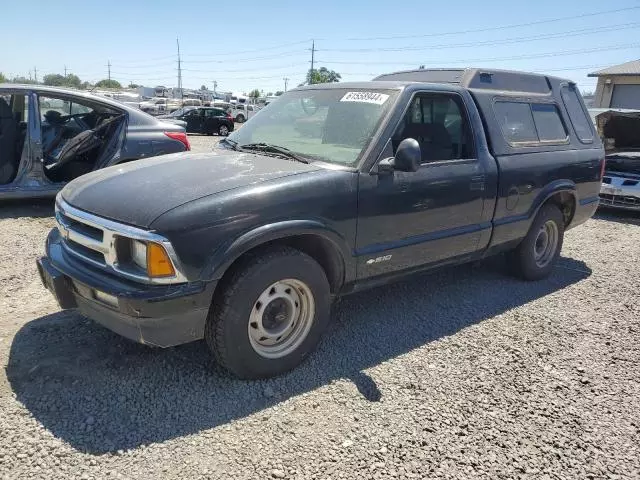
<point>158,262</point>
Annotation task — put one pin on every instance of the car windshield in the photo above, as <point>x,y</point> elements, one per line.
<point>333,125</point>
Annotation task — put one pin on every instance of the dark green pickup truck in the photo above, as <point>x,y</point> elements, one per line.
<point>328,190</point>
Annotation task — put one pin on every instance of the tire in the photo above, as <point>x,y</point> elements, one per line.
<point>242,312</point>
<point>537,254</point>
<point>240,118</point>
<point>223,130</point>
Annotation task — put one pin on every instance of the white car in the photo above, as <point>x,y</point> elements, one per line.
<point>159,105</point>
<point>620,133</point>
<point>241,113</point>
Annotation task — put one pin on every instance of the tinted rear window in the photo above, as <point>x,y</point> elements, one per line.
<point>548,123</point>
<point>581,123</point>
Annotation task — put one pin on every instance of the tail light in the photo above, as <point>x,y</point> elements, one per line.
<point>229,117</point>
<point>181,137</point>
<point>603,163</point>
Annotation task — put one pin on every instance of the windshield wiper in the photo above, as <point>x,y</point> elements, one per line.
<point>270,148</point>
<point>232,143</point>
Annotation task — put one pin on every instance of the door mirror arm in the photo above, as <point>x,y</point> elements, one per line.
<point>386,166</point>
<point>407,159</point>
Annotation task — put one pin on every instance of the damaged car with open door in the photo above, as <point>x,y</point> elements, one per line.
<point>620,132</point>
<point>49,136</point>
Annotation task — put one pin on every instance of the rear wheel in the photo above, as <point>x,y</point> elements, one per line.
<point>536,256</point>
<point>270,314</point>
<point>240,118</point>
<point>223,130</point>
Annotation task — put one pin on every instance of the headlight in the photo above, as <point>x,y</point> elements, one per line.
<point>152,258</point>
<point>139,253</point>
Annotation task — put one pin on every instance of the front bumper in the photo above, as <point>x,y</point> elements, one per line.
<point>160,315</point>
<point>620,192</point>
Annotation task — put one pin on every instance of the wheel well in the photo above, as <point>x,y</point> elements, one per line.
<point>566,202</point>
<point>320,249</point>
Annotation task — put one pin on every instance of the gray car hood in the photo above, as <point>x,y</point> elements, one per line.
<point>137,193</point>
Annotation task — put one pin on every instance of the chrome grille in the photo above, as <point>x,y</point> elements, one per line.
<point>619,200</point>
<point>95,240</point>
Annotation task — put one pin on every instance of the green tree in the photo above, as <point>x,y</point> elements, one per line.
<point>133,85</point>
<point>23,80</point>
<point>86,86</point>
<point>278,93</point>
<point>3,79</point>
<point>72,80</point>
<point>57,80</point>
<point>322,75</point>
<point>254,93</point>
<point>203,87</point>
<point>108,84</point>
<point>269,94</point>
<point>53,79</point>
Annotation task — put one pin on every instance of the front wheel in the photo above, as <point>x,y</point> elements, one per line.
<point>270,314</point>
<point>536,256</point>
<point>223,130</point>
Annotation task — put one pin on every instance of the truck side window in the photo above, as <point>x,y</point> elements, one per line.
<point>548,123</point>
<point>581,123</point>
<point>438,123</point>
<point>516,122</point>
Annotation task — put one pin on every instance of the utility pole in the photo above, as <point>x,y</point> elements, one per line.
<point>109,69</point>
<point>286,81</point>
<point>179,71</point>
<point>35,74</point>
<point>65,70</point>
<point>313,51</point>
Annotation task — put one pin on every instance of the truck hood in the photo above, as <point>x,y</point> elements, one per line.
<point>137,193</point>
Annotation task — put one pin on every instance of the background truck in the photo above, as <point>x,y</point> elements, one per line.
<point>332,189</point>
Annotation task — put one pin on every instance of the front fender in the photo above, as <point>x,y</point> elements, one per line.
<point>224,256</point>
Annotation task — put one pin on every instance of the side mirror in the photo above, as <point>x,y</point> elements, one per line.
<point>408,158</point>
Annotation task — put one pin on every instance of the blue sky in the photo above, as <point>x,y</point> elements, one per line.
<point>253,44</point>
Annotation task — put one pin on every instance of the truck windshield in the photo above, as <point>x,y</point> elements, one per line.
<point>332,125</point>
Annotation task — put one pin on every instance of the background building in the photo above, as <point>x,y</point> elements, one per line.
<point>618,86</point>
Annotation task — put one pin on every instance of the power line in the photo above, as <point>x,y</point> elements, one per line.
<point>571,33</point>
<point>279,55</point>
<point>501,27</point>
<point>244,69</point>
<point>494,59</point>
<point>161,64</point>
<point>234,53</point>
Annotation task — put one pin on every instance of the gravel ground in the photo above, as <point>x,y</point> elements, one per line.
<point>204,143</point>
<point>464,374</point>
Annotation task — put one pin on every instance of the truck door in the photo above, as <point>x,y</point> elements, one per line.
<point>433,215</point>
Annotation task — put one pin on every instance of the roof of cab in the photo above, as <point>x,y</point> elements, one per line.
<point>478,79</point>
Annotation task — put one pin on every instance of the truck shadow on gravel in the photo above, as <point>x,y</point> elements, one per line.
<point>618,216</point>
<point>101,393</point>
<point>27,208</point>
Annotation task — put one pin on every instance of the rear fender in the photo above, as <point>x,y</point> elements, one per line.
<point>509,232</point>
<point>557,186</point>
